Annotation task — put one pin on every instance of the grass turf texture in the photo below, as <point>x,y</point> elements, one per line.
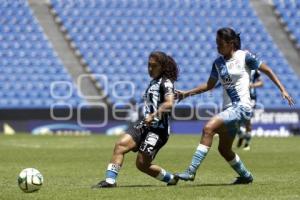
<point>70,165</point>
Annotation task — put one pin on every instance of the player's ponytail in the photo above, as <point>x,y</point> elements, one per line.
<point>229,35</point>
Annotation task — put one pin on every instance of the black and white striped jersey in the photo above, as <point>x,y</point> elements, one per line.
<point>154,97</point>
<point>254,77</point>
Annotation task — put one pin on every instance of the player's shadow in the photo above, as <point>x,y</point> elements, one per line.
<point>189,185</point>
<point>139,186</point>
<point>208,185</point>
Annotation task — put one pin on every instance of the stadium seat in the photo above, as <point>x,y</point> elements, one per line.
<point>289,13</point>
<point>115,37</point>
<point>28,63</point>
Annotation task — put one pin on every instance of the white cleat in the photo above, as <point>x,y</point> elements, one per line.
<point>246,148</point>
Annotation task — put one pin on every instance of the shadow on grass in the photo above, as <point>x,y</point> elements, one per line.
<point>184,185</point>
<point>179,185</point>
<point>209,185</point>
<point>140,186</point>
<point>194,185</point>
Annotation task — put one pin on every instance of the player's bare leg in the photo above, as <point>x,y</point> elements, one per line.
<point>205,143</point>
<point>144,164</point>
<point>122,146</point>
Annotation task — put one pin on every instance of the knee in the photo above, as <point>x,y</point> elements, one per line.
<point>120,147</point>
<point>208,130</point>
<point>141,165</point>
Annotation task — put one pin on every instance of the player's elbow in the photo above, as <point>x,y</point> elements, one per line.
<point>266,69</point>
<point>209,87</point>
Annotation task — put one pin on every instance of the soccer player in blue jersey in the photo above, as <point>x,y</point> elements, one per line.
<point>244,133</point>
<point>232,68</point>
<point>152,133</point>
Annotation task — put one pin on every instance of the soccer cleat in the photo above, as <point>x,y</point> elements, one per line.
<point>187,175</point>
<point>104,184</point>
<point>243,180</point>
<point>174,181</point>
<point>246,148</point>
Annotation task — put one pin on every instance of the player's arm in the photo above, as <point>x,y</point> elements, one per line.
<point>257,84</point>
<point>210,84</point>
<point>166,106</point>
<point>269,72</point>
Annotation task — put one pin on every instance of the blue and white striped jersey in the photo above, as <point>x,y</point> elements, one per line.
<point>234,75</point>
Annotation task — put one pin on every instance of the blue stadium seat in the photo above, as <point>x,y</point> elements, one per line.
<point>115,37</point>
<point>290,15</point>
<point>28,64</point>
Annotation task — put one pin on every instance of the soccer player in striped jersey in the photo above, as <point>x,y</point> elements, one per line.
<point>244,133</point>
<point>152,133</point>
<point>232,68</point>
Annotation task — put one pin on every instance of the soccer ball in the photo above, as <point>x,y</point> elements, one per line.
<point>30,180</point>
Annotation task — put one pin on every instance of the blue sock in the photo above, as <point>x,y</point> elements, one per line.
<point>112,173</point>
<point>239,167</point>
<point>198,157</point>
<point>165,176</point>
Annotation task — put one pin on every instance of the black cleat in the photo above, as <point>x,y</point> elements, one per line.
<point>174,181</point>
<point>103,184</point>
<point>243,180</point>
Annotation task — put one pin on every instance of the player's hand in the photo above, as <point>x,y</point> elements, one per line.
<point>286,96</point>
<point>180,95</point>
<point>149,119</point>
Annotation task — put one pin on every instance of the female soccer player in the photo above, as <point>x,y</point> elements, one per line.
<point>152,133</point>
<point>232,69</point>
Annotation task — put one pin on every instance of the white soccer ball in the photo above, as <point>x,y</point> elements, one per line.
<point>30,180</point>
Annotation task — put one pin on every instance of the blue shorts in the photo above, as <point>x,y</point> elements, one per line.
<point>235,116</point>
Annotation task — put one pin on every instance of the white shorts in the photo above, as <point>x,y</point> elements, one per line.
<point>235,116</point>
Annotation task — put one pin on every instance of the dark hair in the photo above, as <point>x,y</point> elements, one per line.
<point>170,69</point>
<point>229,35</point>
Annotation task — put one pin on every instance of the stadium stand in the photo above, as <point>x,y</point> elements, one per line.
<point>289,13</point>
<point>28,63</point>
<point>115,37</point>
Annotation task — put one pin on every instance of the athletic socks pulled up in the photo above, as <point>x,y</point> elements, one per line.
<point>165,176</point>
<point>239,167</point>
<point>112,173</point>
<point>198,157</point>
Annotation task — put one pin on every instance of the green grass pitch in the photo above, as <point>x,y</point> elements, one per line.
<point>70,165</point>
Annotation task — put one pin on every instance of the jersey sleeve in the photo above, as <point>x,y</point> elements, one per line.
<point>168,87</point>
<point>257,74</point>
<point>214,72</point>
<point>252,61</point>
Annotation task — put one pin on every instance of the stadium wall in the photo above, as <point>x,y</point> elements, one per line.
<point>268,122</point>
